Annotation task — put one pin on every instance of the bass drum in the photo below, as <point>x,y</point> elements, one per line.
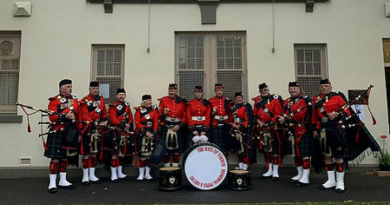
<point>205,166</point>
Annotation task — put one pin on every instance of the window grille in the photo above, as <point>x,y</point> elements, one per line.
<point>108,67</point>
<point>310,67</point>
<point>206,58</point>
<point>9,70</point>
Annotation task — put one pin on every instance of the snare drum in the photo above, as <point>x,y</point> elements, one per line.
<point>205,166</point>
<point>170,179</point>
<point>240,180</point>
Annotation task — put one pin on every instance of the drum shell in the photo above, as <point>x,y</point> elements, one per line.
<point>169,180</point>
<point>240,181</point>
<point>188,174</point>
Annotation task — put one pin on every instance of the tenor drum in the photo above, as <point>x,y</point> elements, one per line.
<point>170,179</point>
<point>205,166</point>
<point>240,180</point>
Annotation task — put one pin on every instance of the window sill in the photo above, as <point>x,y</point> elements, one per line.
<point>11,118</point>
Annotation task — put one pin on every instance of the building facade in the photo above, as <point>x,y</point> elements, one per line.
<point>145,46</point>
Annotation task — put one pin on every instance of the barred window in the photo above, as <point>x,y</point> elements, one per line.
<point>207,58</point>
<point>108,69</point>
<point>310,67</point>
<point>9,70</point>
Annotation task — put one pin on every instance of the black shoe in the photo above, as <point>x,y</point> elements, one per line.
<point>300,184</point>
<point>95,182</point>
<point>126,178</point>
<point>52,190</point>
<point>293,181</point>
<point>339,190</point>
<point>86,183</point>
<point>115,181</point>
<point>265,177</point>
<point>72,186</point>
<point>324,188</point>
<point>275,178</point>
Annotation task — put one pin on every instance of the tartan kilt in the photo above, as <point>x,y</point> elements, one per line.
<point>279,142</point>
<point>181,138</point>
<point>221,137</point>
<point>54,144</point>
<point>305,146</point>
<point>139,137</point>
<point>337,142</point>
<point>112,143</point>
<point>108,141</point>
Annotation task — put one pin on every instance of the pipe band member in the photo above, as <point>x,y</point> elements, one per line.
<point>146,122</point>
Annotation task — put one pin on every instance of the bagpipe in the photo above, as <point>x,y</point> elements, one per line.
<point>359,138</point>
<point>72,132</point>
<point>288,117</point>
<point>44,113</point>
<point>68,128</point>
<point>345,119</point>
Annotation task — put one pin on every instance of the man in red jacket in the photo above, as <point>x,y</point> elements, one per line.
<point>296,116</point>
<point>268,110</point>
<point>198,116</point>
<point>221,119</point>
<point>122,118</point>
<point>146,122</point>
<point>63,135</point>
<point>241,130</point>
<point>173,117</point>
<point>329,108</point>
<point>93,111</point>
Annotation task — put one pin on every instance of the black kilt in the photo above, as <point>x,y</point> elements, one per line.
<point>181,138</point>
<point>139,137</point>
<point>221,137</point>
<point>305,147</point>
<point>54,143</point>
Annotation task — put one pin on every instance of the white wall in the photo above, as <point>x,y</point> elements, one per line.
<point>57,38</point>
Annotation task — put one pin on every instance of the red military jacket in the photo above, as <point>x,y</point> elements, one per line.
<point>269,108</point>
<point>223,113</point>
<point>199,113</point>
<point>177,110</point>
<point>242,114</point>
<point>291,105</point>
<point>329,103</point>
<point>63,105</point>
<point>256,100</point>
<point>93,109</point>
<point>120,112</point>
<point>146,118</point>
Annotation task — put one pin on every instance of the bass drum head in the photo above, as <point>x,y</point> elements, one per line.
<point>205,166</point>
